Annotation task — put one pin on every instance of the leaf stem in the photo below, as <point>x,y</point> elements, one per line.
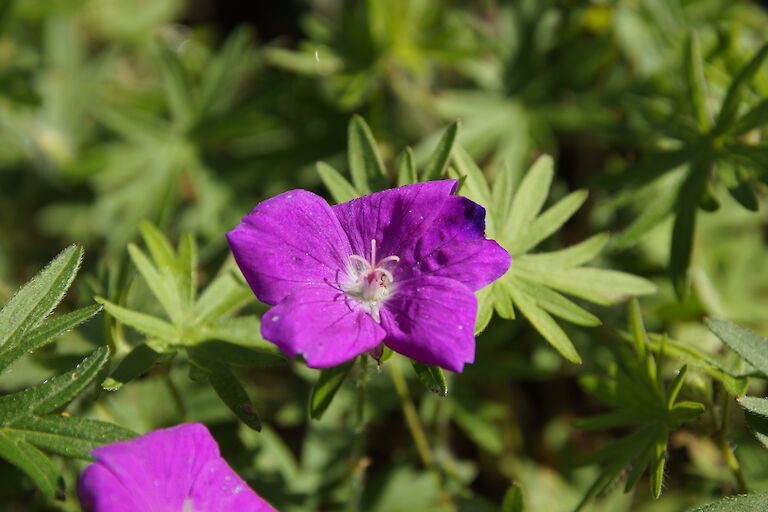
<point>417,432</point>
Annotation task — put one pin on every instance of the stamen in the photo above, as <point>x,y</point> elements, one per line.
<point>366,263</point>
<point>386,273</point>
<point>396,259</point>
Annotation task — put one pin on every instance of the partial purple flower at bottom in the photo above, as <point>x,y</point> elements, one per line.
<point>176,469</point>
<point>397,268</point>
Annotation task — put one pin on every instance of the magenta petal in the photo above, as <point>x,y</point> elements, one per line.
<point>323,325</point>
<point>287,242</point>
<point>100,490</point>
<point>431,320</point>
<point>455,246</point>
<point>395,218</point>
<point>161,471</point>
<point>217,487</point>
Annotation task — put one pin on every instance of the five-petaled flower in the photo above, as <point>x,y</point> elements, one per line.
<point>176,469</point>
<point>397,267</point>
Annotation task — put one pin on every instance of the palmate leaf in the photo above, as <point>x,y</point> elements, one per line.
<point>536,282</point>
<point>29,419</point>
<point>204,325</point>
<point>636,393</point>
<point>710,150</point>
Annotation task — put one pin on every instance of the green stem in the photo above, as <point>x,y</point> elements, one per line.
<point>725,447</point>
<point>359,460</point>
<point>417,432</point>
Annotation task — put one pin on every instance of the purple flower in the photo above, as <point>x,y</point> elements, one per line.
<point>397,267</point>
<point>176,469</point>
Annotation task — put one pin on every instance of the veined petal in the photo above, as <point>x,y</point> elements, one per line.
<point>455,246</point>
<point>432,320</point>
<point>287,242</point>
<point>395,218</point>
<point>101,490</point>
<point>323,324</point>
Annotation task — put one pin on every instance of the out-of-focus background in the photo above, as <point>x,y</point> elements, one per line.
<point>187,113</point>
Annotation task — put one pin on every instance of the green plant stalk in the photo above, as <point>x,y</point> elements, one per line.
<point>417,433</point>
<point>359,461</point>
<point>721,437</point>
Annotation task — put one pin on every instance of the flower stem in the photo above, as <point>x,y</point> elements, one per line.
<point>722,442</point>
<point>359,460</point>
<point>417,432</point>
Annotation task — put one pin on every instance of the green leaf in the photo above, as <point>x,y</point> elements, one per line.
<point>138,361</point>
<point>238,355</point>
<point>325,389</point>
<point>158,245</point>
<point>754,118</point>
<point>751,347</point>
<point>406,170</point>
<point>37,298</point>
<point>475,186</point>
<point>69,436</point>
<point>187,268</point>
<point>432,377</point>
<point>549,222</point>
<point>221,298</point>
<point>243,330</point>
<point>683,229</point>
<point>148,324</point>
<point>440,158</point>
<point>44,334</point>
<point>32,461</point>
<point>341,190</point>
<point>365,164</point>
<point>746,503</point>
<point>529,199</point>
<point>730,106</point>
<point>572,256</point>
<point>228,387</point>
<point>220,73</point>
<point>161,282</point>
<point>697,87</point>
<point>513,499</point>
<point>546,326</point>
<point>556,304</point>
<point>756,414</point>
<point>53,393</point>
<point>178,89</point>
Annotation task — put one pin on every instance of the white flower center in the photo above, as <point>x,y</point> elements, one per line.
<point>370,282</point>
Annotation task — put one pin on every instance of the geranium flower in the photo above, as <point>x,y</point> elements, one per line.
<point>176,469</point>
<point>397,267</point>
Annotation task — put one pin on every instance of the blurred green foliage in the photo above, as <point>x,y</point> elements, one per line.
<point>134,124</point>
